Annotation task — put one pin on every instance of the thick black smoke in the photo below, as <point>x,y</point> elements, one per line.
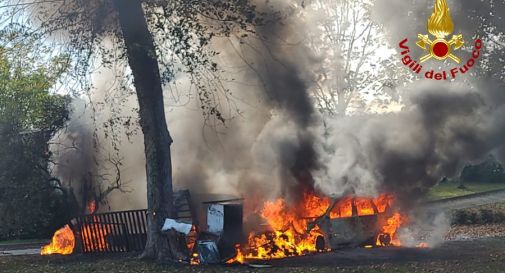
<point>286,69</point>
<point>458,121</point>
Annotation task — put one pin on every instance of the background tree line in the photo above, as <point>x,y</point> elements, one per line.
<point>32,202</point>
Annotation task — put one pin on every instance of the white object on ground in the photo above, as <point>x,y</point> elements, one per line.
<point>178,226</point>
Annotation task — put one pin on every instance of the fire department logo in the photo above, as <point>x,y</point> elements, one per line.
<point>440,26</point>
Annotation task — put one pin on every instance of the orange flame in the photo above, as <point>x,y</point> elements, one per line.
<point>289,236</point>
<point>423,245</point>
<point>388,234</point>
<point>289,225</point>
<point>63,242</point>
<point>91,206</point>
<point>96,235</point>
<point>239,258</point>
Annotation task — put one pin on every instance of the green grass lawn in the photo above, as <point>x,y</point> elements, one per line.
<point>481,255</point>
<point>447,190</point>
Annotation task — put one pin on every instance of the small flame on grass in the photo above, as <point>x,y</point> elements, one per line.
<point>423,245</point>
<point>63,242</point>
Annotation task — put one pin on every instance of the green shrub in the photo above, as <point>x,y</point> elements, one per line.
<point>478,216</point>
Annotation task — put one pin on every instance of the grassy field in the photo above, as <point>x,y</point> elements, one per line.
<point>447,190</point>
<point>491,264</point>
<point>483,255</point>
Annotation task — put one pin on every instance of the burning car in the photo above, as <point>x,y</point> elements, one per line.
<point>317,223</point>
<point>363,227</point>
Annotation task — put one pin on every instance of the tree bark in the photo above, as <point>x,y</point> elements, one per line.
<point>144,65</point>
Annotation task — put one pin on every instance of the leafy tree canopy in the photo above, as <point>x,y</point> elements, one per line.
<point>30,114</point>
<point>25,80</point>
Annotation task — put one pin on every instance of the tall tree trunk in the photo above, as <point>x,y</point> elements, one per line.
<point>144,65</point>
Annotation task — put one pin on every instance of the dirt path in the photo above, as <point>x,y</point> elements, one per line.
<point>467,201</point>
<point>20,249</point>
<point>18,252</point>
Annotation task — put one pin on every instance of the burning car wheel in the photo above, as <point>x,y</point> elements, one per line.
<point>384,239</point>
